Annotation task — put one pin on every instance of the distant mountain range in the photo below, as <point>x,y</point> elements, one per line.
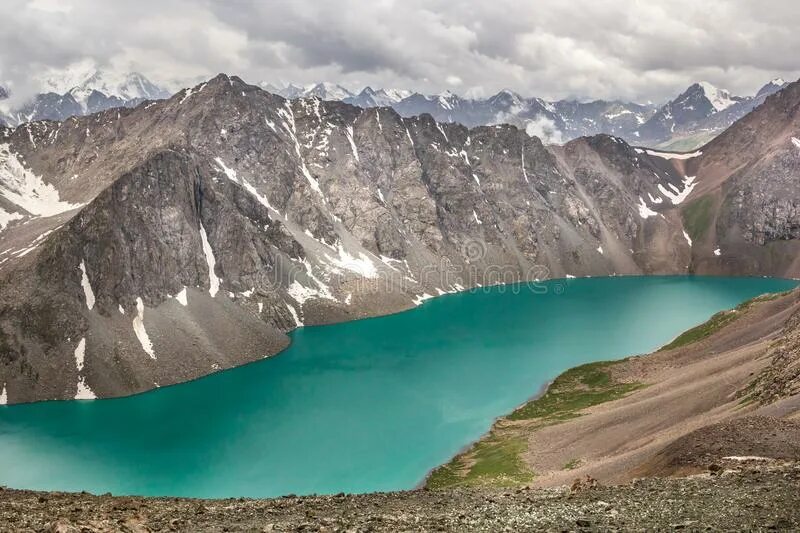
<point>93,91</point>
<point>693,118</point>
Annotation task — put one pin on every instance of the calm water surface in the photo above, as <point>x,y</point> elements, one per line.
<point>369,405</point>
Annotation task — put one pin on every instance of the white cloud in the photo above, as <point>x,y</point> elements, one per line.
<point>642,50</point>
<point>545,129</point>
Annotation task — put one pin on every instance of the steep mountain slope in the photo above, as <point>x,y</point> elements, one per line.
<point>745,210</point>
<point>143,247</point>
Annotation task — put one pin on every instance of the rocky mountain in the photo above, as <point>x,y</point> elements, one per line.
<point>698,115</point>
<point>145,246</point>
<point>754,163</point>
<point>95,91</point>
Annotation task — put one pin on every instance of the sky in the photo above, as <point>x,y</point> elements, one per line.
<point>612,49</point>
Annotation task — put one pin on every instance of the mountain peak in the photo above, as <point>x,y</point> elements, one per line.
<point>328,91</point>
<point>125,86</point>
<point>506,96</point>
<point>719,98</point>
<point>773,86</point>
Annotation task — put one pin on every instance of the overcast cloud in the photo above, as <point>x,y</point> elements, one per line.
<point>639,50</point>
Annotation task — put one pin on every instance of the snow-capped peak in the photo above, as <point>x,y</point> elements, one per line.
<point>507,96</point>
<point>129,86</point>
<point>395,95</point>
<point>329,91</point>
<point>719,98</point>
<point>772,87</point>
<point>82,78</point>
<point>382,97</point>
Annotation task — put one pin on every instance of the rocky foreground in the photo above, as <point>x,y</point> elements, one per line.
<point>735,494</point>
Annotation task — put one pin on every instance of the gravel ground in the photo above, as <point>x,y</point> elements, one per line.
<point>737,496</point>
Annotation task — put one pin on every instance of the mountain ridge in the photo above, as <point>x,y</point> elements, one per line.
<point>264,214</point>
<point>686,122</point>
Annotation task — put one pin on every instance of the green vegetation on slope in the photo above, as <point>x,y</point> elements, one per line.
<point>712,325</point>
<point>571,392</point>
<point>688,143</point>
<point>496,460</point>
<point>717,322</point>
<point>697,217</point>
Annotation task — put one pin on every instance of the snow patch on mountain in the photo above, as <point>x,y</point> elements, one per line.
<point>181,297</point>
<point>140,332</point>
<point>6,218</point>
<point>669,155</point>
<point>676,195</point>
<point>87,287</point>
<point>295,317</point>
<point>213,280</point>
<point>360,264</point>
<point>26,190</point>
<point>644,211</point>
<point>80,354</point>
<point>83,391</point>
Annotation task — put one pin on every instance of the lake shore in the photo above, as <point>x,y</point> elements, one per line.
<point>581,427</point>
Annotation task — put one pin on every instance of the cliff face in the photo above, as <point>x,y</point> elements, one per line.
<point>143,247</point>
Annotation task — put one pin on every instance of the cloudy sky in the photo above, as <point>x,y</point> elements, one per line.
<point>639,50</point>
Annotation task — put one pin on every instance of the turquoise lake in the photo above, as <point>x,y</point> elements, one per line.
<point>370,405</point>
